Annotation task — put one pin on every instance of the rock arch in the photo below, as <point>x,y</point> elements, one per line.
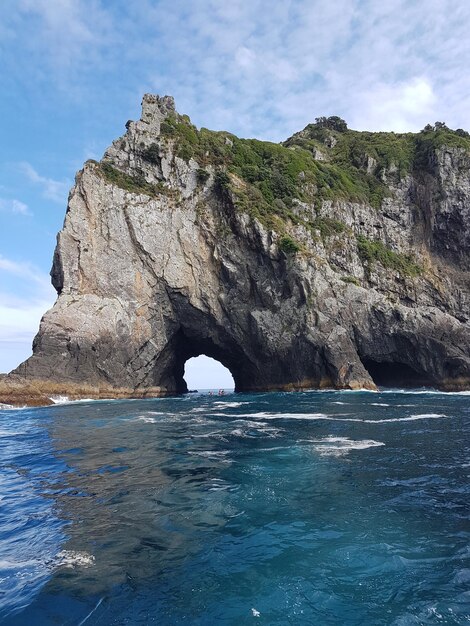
<point>162,258</point>
<point>169,371</point>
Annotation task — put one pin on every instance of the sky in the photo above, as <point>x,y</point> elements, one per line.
<point>72,72</point>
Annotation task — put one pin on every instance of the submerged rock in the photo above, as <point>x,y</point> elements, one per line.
<point>337,259</point>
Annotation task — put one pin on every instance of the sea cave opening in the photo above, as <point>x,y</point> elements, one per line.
<point>205,373</point>
<point>391,374</point>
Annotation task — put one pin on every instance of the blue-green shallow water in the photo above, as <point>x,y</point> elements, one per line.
<point>305,508</point>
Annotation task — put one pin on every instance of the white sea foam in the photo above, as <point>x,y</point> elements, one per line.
<point>59,399</point>
<point>278,416</point>
<point>340,417</point>
<point>229,404</point>
<point>238,432</point>
<point>339,446</point>
<point>146,419</point>
<point>331,390</point>
<point>5,406</point>
<point>409,418</point>
<point>396,391</point>
<point>266,430</point>
<point>252,423</point>
<point>210,453</point>
<point>65,558</point>
<point>419,392</point>
<point>379,404</point>
<point>66,400</point>
<point>71,559</point>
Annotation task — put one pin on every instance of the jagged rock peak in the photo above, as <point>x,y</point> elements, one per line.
<point>156,108</point>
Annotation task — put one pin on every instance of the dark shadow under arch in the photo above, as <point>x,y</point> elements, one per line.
<point>185,345</point>
<point>392,374</point>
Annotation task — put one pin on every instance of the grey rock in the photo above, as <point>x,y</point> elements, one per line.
<point>147,280</point>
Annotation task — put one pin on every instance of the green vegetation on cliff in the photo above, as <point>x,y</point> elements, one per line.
<point>133,184</point>
<point>353,166</point>
<point>288,245</point>
<point>372,251</point>
<point>287,183</point>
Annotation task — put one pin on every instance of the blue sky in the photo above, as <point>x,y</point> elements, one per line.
<point>72,72</point>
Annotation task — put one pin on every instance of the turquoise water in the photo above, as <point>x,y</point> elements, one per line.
<point>305,508</point>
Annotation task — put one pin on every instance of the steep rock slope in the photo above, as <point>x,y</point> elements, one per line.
<point>337,259</point>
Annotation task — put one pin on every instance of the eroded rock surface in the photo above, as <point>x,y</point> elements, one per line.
<point>174,245</point>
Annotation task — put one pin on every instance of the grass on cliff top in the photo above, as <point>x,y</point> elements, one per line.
<point>266,180</point>
<point>280,172</point>
<point>356,168</point>
<point>404,152</point>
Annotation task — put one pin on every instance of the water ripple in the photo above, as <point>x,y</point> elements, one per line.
<point>309,508</point>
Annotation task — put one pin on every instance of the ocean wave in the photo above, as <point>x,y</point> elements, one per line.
<point>410,418</point>
<point>59,400</point>
<point>251,432</point>
<point>12,407</point>
<point>11,433</point>
<point>336,418</point>
<point>146,419</point>
<point>339,446</point>
<point>229,404</point>
<point>332,390</point>
<point>274,416</point>
<point>398,390</point>
<point>419,392</point>
<point>209,454</point>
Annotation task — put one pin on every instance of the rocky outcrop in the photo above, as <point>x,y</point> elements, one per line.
<point>327,261</point>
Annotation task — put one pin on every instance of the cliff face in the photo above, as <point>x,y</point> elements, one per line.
<point>335,259</point>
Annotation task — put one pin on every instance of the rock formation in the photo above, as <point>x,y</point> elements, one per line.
<point>336,259</point>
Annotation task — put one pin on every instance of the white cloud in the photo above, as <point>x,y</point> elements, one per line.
<point>19,323</point>
<point>65,29</point>
<point>244,57</point>
<point>19,319</point>
<point>406,106</point>
<point>20,316</point>
<point>14,206</point>
<point>26,272</point>
<point>269,68</point>
<point>263,68</point>
<point>54,190</point>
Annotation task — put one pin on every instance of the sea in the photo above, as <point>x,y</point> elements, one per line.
<point>309,508</point>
